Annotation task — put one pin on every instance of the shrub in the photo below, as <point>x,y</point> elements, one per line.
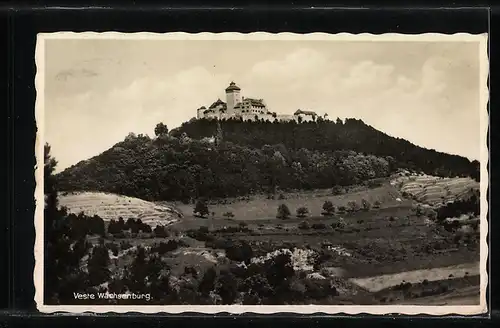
<point>281,197</point>
<point>228,215</point>
<point>113,248</point>
<point>201,209</point>
<point>203,229</point>
<point>377,204</point>
<point>304,225</point>
<point>124,245</point>
<point>342,209</point>
<point>319,226</point>
<point>419,211</point>
<point>337,190</point>
<point>283,212</point>
<point>160,231</point>
<point>353,206</point>
<point>169,246</point>
<point>302,212</point>
<point>366,205</point>
<point>243,225</point>
<point>239,251</point>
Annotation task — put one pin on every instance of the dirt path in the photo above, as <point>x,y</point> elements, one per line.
<point>378,283</point>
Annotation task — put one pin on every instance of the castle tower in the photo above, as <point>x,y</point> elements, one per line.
<point>233,97</point>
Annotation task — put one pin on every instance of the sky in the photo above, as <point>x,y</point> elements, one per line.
<point>97,91</point>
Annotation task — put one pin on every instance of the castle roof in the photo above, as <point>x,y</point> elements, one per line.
<point>306,112</point>
<point>255,102</point>
<point>218,103</point>
<point>202,107</point>
<point>232,87</point>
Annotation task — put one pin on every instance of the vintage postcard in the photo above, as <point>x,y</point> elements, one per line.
<point>262,173</point>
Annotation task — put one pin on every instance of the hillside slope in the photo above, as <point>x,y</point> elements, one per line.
<point>110,206</point>
<point>352,135</point>
<point>253,157</point>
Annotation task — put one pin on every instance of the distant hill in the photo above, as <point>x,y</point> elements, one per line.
<point>253,157</point>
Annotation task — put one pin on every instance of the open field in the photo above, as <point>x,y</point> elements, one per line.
<point>112,206</point>
<point>259,207</point>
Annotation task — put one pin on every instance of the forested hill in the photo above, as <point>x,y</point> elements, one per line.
<point>252,157</point>
<point>324,135</point>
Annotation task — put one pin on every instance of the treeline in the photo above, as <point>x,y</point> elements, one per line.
<point>180,168</point>
<point>326,136</point>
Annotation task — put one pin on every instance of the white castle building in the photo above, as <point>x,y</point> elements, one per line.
<point>251,109</point>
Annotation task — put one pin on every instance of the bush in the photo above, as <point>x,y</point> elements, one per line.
<point>304,225</point>
<point>342,209</point>
<point>377,204</point>
<point>124,245</point>
<point>239,251</point>
<point>203,229</point>
<point>318,226</point>
<point>302,212</point>
<point>160,231</point>
<point>169,246</point>
<point>353,206</point>
<point>201,209</point>
<point>228,215</point>
<point>337,190</point>
<point>281,197</point>
<point>365,204</point>
<point>283,212</point>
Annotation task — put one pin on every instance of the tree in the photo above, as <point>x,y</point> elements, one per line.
<point>328,208</point>
<point>353,206</point>
<point>227,287</point>
<point>98,264</point>
<point>366,205</point>
<point>207,283</point>
<point>283,212</point>
<point>302,212</point>
<point>376,204</point>
<point>161,129</point>
<point>304,225</point>
<point>201,209</point>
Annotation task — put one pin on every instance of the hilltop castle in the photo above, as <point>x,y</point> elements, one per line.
<point>248,109</point>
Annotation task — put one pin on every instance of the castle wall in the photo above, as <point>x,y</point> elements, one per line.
<point>232,99</point>
<point>304,118</point>
<point>251,117</point>
<point>285,117</point>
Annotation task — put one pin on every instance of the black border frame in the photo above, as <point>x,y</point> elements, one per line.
<point>23,19</point>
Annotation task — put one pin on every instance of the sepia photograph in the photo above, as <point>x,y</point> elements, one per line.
<point>261,173</point>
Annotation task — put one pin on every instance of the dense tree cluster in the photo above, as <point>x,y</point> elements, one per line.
<point>132,225</point>
<point>327,135</point>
